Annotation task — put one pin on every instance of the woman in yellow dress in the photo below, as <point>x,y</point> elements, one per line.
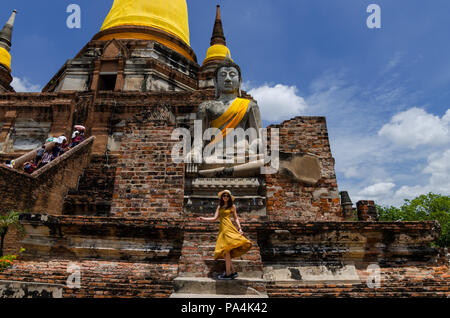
<point>230,242</point>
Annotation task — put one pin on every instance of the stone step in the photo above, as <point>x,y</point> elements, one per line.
<point>197,258</point>
<point>90,197</point>
<point>198,252</point>
<point>86,206</point>
<point>207,256</point>
<point>208,286</point>
<point>212,268</point>
<point>180,295</point>
<point>91,193</point>
<point>245,268</point>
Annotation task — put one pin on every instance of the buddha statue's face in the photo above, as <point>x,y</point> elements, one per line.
<point>228,80</point>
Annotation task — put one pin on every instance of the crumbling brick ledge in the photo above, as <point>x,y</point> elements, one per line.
<point>144,256</point>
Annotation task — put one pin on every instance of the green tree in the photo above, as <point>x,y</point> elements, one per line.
<point>6,222</point>
<point>426,207</point>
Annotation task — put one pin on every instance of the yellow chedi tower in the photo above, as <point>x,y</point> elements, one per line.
<point>216,54</point>
<point>165,21</point>
<point>5,59</point>
<point>5,42</point>
<point>5,56</point>
<point>218,49</point>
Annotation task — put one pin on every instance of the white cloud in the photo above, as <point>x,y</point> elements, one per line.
<point>279,102</point>
<point>439,168</point>
<point>393,62</point>
<point>409,192</point>
<point>439,182</point>
<point>24,85</point>
<point>377,190</point>
<point>416,127</point>
<point>351,172</point>
<point>246,86</point>
<point>446,118</point>
<point>382,146</point>
<point>369,162</point>
<point>332,96</point>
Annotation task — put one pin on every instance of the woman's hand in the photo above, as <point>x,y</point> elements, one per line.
<point>241,232</point>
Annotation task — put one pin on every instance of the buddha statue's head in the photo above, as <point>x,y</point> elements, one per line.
<point>228,78</point>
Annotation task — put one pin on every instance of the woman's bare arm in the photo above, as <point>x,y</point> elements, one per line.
<point>236,219</point>
<point>215,218</point>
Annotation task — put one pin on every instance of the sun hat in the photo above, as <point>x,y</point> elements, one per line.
<point>225,191</point>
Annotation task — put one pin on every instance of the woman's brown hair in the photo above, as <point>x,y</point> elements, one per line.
<point>222,202</point>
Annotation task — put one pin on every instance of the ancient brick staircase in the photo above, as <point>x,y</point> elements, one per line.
<point>44,189</point>
<point>198,271</point>
<point>95,188</point>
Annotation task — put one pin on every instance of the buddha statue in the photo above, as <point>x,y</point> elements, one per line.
<point>228,115</point>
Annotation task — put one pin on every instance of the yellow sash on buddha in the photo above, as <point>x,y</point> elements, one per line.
<point>232,117</point>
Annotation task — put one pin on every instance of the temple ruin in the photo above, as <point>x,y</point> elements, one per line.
<point>120,209</point>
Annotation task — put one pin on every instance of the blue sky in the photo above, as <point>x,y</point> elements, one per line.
<point>385,92</point>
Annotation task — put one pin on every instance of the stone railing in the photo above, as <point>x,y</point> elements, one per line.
<point>44,189</point>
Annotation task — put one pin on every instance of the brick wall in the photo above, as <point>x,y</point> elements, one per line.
<point>16,191</point>
<point>288,199</point>
<point>148,184</point>
<point>408,265</point>
<point>99,279</point>
<point>404,282</point>
<point>12,243</point>
<point>383,243</point>
<point>101,238</point>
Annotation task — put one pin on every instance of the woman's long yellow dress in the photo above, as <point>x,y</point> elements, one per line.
<point>229,238</point>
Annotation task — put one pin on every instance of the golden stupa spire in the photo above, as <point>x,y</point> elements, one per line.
<point>218,49</point>
<point>5,42</point>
